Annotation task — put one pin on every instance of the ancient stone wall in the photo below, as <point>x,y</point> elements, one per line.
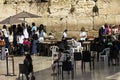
<point>58,15</point>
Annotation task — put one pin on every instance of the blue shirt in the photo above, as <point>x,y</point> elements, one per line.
<point>34,28</point>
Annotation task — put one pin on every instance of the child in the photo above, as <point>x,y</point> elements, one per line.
<point>51,36</point>
<point>59,58</point>
<point>26,43</point>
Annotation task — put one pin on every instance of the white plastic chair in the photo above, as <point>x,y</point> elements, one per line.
<point>54,51</point>
<point>104,54</point>
<point>77,48</point>
<point>6,51</point>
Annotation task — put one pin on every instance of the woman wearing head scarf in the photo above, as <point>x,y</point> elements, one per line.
<point>28,64</point>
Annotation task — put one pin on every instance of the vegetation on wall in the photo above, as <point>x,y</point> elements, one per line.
<point>24,1</point>
<point>5,2</point>
<point>39,4</point>
<point>95,10</point>
<point>72,9</point>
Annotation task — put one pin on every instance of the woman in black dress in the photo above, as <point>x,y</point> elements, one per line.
<point>28,64</point>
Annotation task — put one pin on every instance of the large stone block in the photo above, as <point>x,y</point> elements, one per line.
<point>60,17</point>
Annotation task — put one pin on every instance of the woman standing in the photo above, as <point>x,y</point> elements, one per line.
<point>20,40</point>
<point>34,43</point>
<point>25,31</point>
<point>10,37</point>
<point>64,35</point>
<point>5,33</point>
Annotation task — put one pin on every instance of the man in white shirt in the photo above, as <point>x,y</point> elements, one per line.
<point>64,35</point>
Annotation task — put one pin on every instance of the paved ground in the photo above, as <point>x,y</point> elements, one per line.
<point>40,63</point>
<point>42,69</point>
<point>101,72</point>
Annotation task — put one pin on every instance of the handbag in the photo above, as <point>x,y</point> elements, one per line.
<point>2,43</point>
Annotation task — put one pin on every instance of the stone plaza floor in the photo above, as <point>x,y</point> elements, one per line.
<point>42,70</point>
<point>39,63</point>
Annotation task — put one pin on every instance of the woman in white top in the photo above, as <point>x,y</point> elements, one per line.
<point>5,32</point>
<point>25,32</point>
<point>20,40</point>
<point>50,36</point>
<point>10,37</point>
<point>83,34</point>
<point>64,35</point>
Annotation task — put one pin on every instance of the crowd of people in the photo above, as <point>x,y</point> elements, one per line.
<point>109,37</point>
<point>112,31</point>
<point>22,38</point>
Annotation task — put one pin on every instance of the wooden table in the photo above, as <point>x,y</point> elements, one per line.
<point>47,47</point>
<point>53,41</point>
<point>90,39</point>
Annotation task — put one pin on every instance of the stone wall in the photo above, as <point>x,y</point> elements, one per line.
<point>58,15</point>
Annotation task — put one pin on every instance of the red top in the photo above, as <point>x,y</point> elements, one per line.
<point>26,42</point>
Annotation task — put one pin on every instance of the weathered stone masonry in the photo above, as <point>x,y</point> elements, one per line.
<point>58,15</point>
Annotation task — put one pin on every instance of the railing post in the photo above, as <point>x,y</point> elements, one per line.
<point>7,65</point>
<point>10,58</point>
